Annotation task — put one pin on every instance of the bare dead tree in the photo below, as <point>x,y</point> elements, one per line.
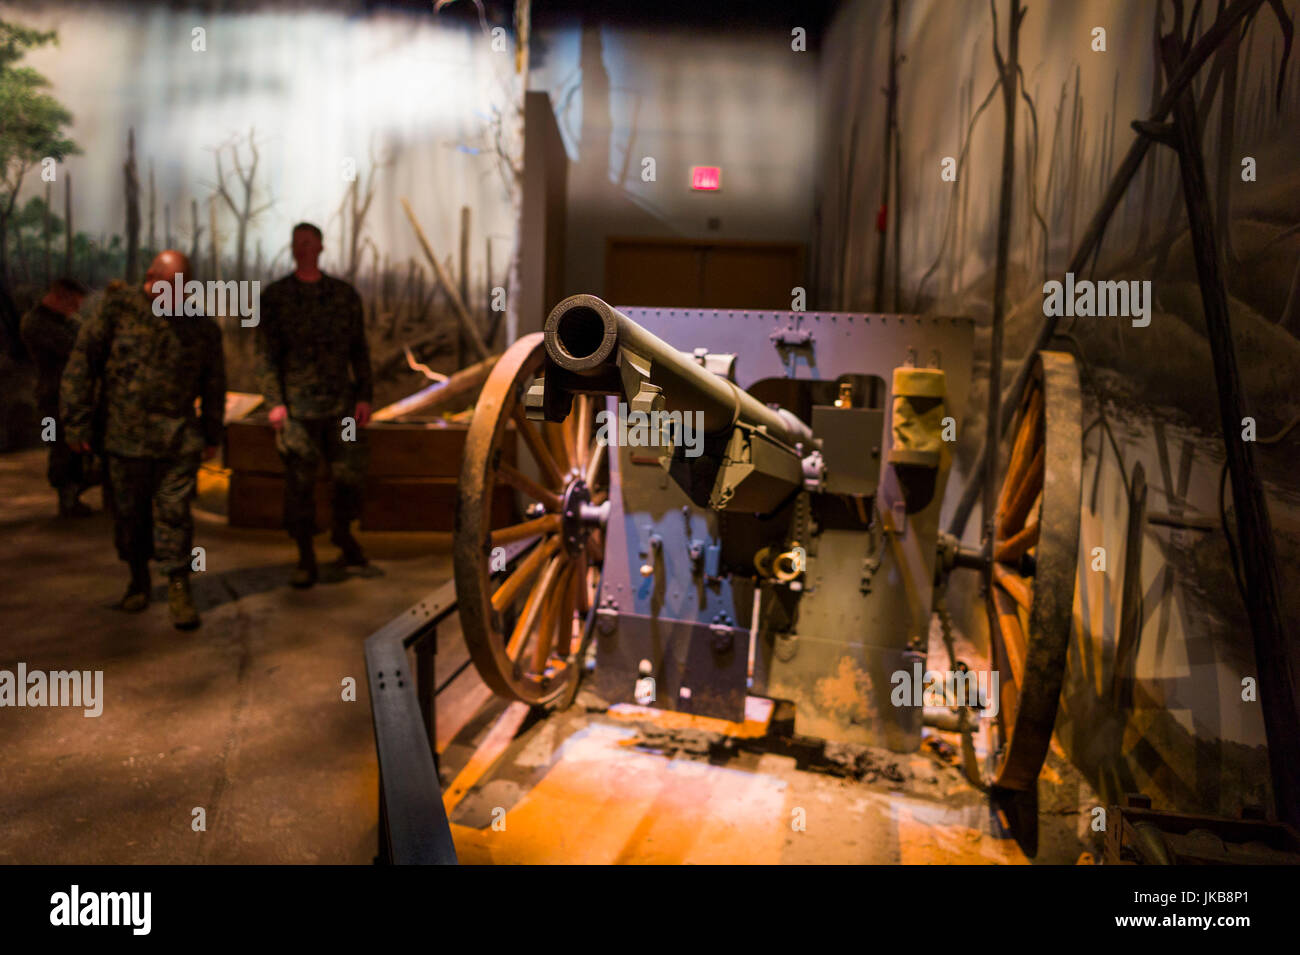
<point>887,161</point>
<point>244,210</point>
<point>68,244</point>
<point>505,134</point>
<point>47,229</point>
<point>353,210</point>
<point>196,231</point>
<point>214,252</point>
<point>952,204</point>
<point>132,211</point>
<point>153,218</point>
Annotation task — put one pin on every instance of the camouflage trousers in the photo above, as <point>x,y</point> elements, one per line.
<point>151,508</point>
<point>303,443</point>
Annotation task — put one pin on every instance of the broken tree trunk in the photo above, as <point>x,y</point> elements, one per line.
<point>153,217</point>
<point>463,277</point>
<point>195,231</point>
<point>457,303</point>
<point>132,212</point>
<point>886,172</point>
<point>436,396</point>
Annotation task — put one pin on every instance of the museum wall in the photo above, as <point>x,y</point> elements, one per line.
<point>681,97</point>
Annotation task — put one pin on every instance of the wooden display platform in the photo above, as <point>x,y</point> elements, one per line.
<point>410,484</point>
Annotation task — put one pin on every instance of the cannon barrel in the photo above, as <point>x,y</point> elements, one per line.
<point>588,337</point>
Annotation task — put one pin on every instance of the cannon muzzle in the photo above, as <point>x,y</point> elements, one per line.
<point>589,338</point>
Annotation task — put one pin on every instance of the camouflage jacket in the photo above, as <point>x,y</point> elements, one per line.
<point>148,370</point>
<point>309,337</point>
<point>49,336</point>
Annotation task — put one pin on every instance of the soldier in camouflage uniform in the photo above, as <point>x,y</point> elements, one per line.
<point>151,368</point>
<point>314,368</point>
<point>49,331</point>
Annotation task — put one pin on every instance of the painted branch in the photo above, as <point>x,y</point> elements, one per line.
<point>1130,614</point>
<point>887,159</point>
<point>458,304</point>
<point>430,399</point>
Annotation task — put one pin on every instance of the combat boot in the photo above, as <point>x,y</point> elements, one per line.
<point>69,506</point>
<point>304,575</point>
<point>137,592</point>
<point>181,604</point>
<point>351,555</point>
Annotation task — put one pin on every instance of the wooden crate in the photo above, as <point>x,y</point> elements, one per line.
<point>410,483</point>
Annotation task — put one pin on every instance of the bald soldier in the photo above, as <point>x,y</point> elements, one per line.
<point>150,368</point>
<point>314,370</point>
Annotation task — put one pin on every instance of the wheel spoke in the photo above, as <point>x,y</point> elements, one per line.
<point>545,629</point>
<point>577,582</point>
<point>1023,449</point>
<point>523,483</point>
<point>556,433</point>
<point>536,599</point>
<point>1017,586</point>
<point>595,544</point>
<point>584,586</point>
<point>569,434</point>
<point>541,454</point>
<point>1022,497</point>
<point>553,636</point>
<point>527,569</point>
<point>1011,633</point>
<point>583,436</point>
<point>1010,551</point>
<point>546,524</point>
<point>593,465</point>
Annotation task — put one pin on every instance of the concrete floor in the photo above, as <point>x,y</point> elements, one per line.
<point>244,718</point>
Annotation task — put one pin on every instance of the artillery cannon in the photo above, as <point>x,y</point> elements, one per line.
<point>760,515</point>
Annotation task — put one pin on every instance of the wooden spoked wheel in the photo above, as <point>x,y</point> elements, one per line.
<point>523,623</point>
<point>1035,552</point>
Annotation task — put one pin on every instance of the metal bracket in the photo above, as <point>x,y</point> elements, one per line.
<point>792,336</point>
<point>607,616</point>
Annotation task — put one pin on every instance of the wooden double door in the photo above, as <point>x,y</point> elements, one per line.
<point>698,273</point>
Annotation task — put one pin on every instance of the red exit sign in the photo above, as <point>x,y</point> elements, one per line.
<point>708,178</point>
